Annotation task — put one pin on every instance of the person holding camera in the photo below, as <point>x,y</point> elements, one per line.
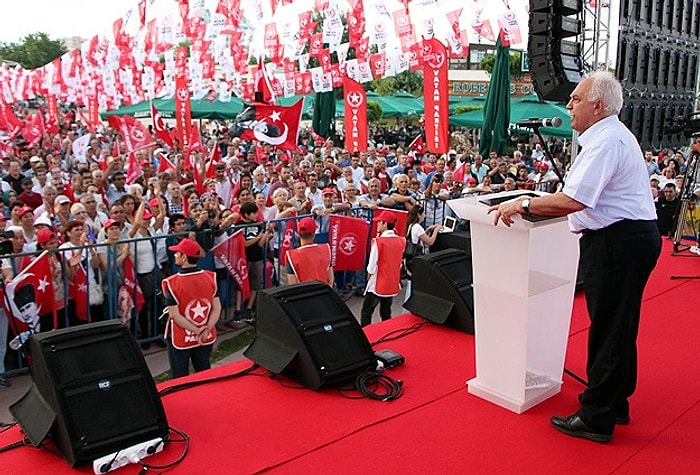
<point>256,236</point>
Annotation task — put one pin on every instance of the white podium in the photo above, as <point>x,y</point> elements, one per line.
<point>524,279</point>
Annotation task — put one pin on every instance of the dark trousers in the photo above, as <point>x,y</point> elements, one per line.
<point>180,359</point>
<point>370,303</point>
<point>616,263</point>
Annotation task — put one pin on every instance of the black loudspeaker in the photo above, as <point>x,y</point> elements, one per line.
<point>306,332</point>
<point>92,391</point>
<point>441,289</point>
<point>556,66</point>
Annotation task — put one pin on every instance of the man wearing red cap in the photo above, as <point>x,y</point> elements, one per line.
<point>310,261</point>
<point>383,269</point>
<point>193,308</point>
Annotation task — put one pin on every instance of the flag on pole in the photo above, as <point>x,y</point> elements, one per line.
<point>159,127</point>
<point>78,293</point>
<point>136,136</point>
<point>231,253</point>
<point>30,294</point>
<point>276,125</point>
<point>263,87</point>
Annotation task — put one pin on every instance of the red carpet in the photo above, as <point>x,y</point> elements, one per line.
<point>255,424</point>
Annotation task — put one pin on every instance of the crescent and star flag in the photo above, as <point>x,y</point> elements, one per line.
<point>159,127</point>
<point>231,253</point>
<point>347,237</point>
<point>276,125</point>
<point>30,294</point>
<point>136,136</point>
<point>80,146</point>
<point>435,95</point>
<point>78,292</point>
<point>399,227</point>
<point>355,116</point>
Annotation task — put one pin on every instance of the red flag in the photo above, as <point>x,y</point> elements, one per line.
<point>93,119</point>
<point>399,227</point>
<point>355,116</point>
<point>30,294</point>
<point>276,125</point>
<point>115,148</point>
<point>159,127</point>
<point>231,253</point>
<point>263,87</point>
<point>33,130</point>
<point>214,158</point>
<point>183,108</point>
<point>436,96</point>
<point>133,170</point>
<point>132,284</point>
<point>458,175</point>
<point>52,109</point>
<point>417,146</point>
<point>348,240</point>
<point>11,123</point>
<point>287,239</point>
<point>164,163</point>
<point>78,292</point>
<point>135,134</point>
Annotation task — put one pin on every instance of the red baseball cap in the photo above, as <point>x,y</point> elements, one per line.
<point>307,225</point>
<point>187,246</point>
<point>45,235</point>
<point>24,210</point>
<point>386,216</point>
<point>329,191</point>
<point>111,222</point>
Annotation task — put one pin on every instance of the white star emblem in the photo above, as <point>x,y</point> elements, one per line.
<point>198,311</point>
<point>43,283</point>
<point>275,116</point>
<point>82,288</point>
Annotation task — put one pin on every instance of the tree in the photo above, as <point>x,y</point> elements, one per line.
<point>409,81</point>
<point>374,111</point>
<point>514,61</point>
<point>34,51</point>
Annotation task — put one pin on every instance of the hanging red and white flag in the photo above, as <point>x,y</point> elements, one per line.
<point>132,284</point>
<point>93,118</point>
<point>159,127</point>
<point>287,238</point>
<point>276,125</point>
<point>355,115</point>
<point>164,164</point>
<point>33,130</point>
<point>52,110</point>
<point>136,136</point>
<point>231,253</point>
<point>436,95</point>
<point>347,237</point>
<point>417,146</point>
<point>214,158</point>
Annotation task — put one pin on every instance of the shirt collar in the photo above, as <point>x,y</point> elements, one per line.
<point>594,129</point>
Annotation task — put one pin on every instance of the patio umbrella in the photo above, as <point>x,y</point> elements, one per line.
<point>323,120</point>
<point>494,135</point>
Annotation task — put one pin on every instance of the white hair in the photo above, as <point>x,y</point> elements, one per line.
<point>606,88</point>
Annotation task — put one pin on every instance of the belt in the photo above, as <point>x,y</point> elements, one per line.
<point>623,226</point>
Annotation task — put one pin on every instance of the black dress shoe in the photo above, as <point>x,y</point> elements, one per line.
<point>575,427</point>
<point>622,420</point>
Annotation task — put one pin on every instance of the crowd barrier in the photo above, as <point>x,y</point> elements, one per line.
<point>147,326</point>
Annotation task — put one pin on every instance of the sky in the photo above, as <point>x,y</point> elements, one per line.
<point>60,18</point>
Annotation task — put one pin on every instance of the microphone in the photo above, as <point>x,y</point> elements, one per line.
<point>534,123</point>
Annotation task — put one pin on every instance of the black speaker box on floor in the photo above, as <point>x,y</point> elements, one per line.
<point>92,391</point>
<point>441,289</point>
<point>306,332</point>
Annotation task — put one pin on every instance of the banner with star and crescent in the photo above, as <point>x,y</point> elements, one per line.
<point>30,294</point>
<point>268,123</point>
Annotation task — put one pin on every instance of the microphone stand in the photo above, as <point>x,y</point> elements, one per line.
<point>545,147</point>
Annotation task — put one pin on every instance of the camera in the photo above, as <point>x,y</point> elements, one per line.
<point>8,234</point>
<point>211,213</point>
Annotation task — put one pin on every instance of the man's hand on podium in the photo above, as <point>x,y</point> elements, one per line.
<point>506,210</point>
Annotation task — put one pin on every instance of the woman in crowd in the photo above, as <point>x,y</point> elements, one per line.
<point>435,196</point>
<point>418,238</point>
<point>47,240</point>
<point>112,257</point>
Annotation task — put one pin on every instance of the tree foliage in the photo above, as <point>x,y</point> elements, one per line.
<point>514,63</point>
<point>374,111</point>
<point>34,51</point>
<point>409,81</point>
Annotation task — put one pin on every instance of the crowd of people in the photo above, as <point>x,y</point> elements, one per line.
<point>95,218</point>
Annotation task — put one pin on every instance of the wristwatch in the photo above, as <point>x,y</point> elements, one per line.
<point>526,205</point>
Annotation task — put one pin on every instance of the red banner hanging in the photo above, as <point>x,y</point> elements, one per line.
<point>348,240</point>
<point>436,96</point>
<point>355,115</point>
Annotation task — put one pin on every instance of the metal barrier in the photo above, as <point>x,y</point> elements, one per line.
<point>146,325</point>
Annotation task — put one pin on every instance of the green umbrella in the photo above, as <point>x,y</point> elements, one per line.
<point>494,135</point>
<point>323,120</point>
<point>201,109</point>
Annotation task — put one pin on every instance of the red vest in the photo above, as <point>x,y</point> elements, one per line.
<point>194,294</point>
<point>390,252</point>
<point>311,262</point>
